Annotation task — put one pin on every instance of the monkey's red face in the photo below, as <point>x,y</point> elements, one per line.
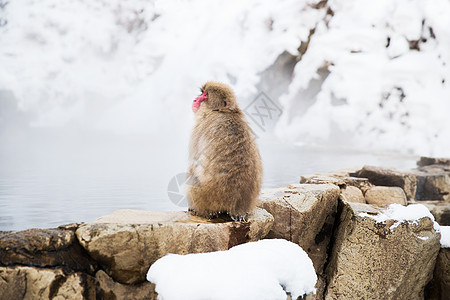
<point>199,100</point>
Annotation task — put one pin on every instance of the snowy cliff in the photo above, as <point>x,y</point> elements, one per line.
<point>358,73</point>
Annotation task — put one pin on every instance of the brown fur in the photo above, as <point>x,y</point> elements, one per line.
<point>225,169</point>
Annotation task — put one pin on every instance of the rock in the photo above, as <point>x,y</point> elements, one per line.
<point>433,183</point>
<point>109,289</point>
<point>44,248</point>
<point>440,211</point>
<point>380,195</point>
<point>33,240</point>
<point>340,179</point>
<point>377,260</point>
<point>390,177</point>
<point>127,242</point>
<point>439,287</point>
<point>426,161</point>
<point>304,214</point>
<point>321,179</point>
<point>33,283</point>
<point>352,194</point>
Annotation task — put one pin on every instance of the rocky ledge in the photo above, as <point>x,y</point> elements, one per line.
<point>334,217</point>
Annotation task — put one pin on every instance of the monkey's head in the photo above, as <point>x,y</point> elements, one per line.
<point>215,95</point>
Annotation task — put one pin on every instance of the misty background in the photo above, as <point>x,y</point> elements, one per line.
<point>95,96</point>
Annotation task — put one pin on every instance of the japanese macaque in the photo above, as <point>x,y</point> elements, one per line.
<point>225,169</point>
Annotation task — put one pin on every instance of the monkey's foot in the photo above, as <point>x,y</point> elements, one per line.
<point>224,215</point>
<point>238,218</point>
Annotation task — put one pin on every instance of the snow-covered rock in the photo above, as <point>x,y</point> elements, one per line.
<point>400,214</point>
<point>385,253</point>
<point>266,269</point>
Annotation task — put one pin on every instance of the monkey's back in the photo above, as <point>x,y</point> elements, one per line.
<point>225,166</point>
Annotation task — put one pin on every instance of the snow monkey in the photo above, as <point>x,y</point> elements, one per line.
<point>225,169</point>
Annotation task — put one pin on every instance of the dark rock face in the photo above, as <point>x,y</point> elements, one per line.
<point>439,287</point>
<point>433,182</point>
<point>108,289</point>
<point>426,161</point>
<point>44,248</point>
<point>21,282</point>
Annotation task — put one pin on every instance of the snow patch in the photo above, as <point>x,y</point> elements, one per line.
<point>445,236</point>
<point>258,270</point>
<point>399,213</point>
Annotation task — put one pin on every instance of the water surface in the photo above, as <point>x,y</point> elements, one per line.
<point>49,179</point>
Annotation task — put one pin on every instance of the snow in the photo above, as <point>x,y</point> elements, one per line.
<point>255,270</point>
<point>134,66</point>
<point>445,236</point>
<point>400,214</point>
<point>387,92</point>
<point>126,62</point>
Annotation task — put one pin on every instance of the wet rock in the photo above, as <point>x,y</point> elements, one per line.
<point>380,195</point>
<point>127,242</point>
<point>44,248</point>
<point>111,290</point>
<point>390,177</point>
<point>439,287</point>
<point>352,194</point>
<point>370,258</point>
<point>433,183</point>
<point>34,283</point>
<point>304,214</point>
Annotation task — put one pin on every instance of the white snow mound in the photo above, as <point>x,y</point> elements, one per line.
<point>258,270</point>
